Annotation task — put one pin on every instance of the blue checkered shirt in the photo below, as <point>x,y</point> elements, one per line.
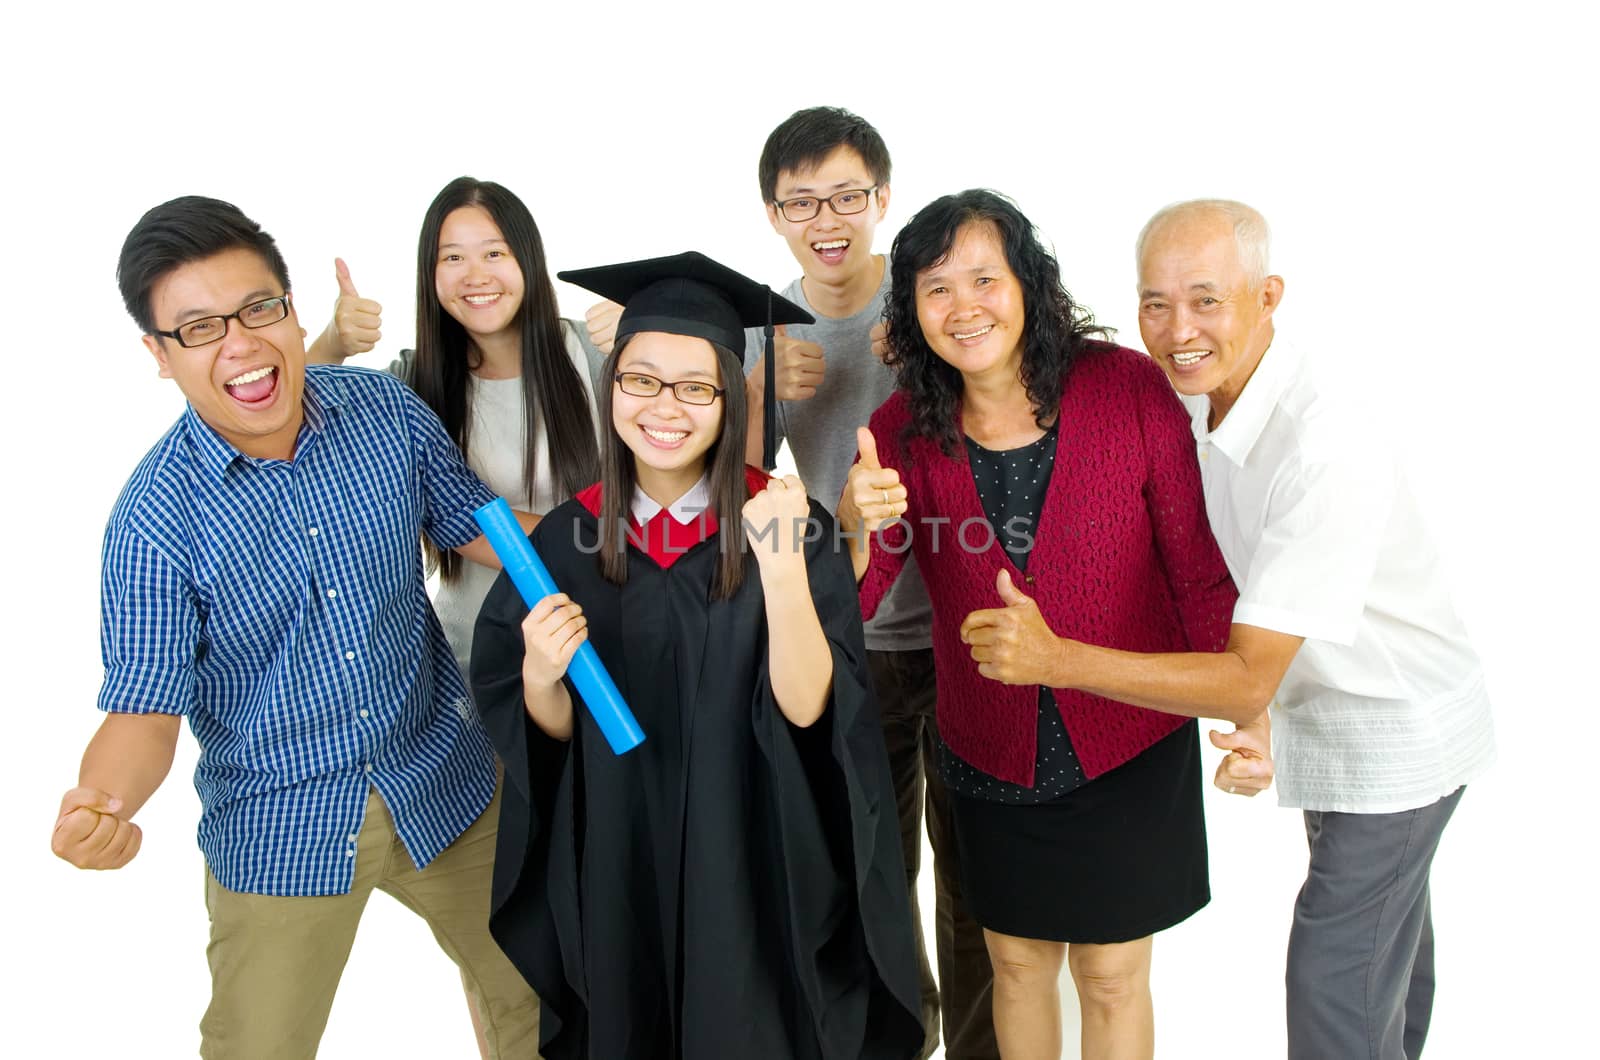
<point>280,605</point>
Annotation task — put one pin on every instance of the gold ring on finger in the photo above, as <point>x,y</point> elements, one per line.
<point>887,502</point>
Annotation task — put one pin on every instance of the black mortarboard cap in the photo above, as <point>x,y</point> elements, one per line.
<point>689,294</point>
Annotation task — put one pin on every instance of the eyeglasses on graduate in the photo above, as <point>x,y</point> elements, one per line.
<point>688,391</point>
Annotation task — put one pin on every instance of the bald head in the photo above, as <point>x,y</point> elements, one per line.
<point>1200,220</point>
<point>1206,299</point>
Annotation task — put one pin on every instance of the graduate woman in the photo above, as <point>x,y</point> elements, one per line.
<point>732,887</point>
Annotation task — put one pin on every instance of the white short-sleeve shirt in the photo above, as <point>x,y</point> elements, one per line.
<point>1383,708</point>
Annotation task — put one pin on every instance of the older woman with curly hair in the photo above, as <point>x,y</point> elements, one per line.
<point>1045,481</point>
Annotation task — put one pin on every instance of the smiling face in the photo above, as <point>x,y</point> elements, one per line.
<point>1200,318</point>
<point>831,248</point>
<point>248,385</point>
<point>970,307</point>
<point>669,438</point>
<point>477,279</point>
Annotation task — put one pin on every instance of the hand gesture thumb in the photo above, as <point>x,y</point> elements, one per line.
<point>1009,593</point>
<point>1239,741</point>
<point>347,286</point>
<point>869,448</point>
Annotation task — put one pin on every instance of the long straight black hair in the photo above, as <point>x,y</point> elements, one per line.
<point>552,388</point>
<point>727,482</point>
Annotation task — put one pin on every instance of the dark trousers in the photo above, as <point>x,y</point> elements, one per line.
<point>904,682</point>
<point>1360,978</point>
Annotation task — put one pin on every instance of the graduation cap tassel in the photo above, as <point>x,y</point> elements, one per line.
<point>769,400</point>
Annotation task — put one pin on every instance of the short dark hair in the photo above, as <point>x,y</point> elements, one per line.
<point>1055,328</point>
<point>177,232</point>
<point>808,136</point>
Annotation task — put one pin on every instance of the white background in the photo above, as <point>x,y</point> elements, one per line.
<point>1421,167</point>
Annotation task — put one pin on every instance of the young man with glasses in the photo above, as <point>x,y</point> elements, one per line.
<point>824,176</point>
<point>261,577</point>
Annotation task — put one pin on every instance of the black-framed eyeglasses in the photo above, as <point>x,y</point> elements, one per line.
<point>204,330</point>
<point>688,391</point>
<point>805,207</point>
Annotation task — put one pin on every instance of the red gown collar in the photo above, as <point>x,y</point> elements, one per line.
<point>663,538</point>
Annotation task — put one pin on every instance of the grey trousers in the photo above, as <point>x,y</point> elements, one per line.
<point>1360,977</point>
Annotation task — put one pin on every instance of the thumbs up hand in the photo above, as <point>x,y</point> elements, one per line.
<point>800,366</point>
<point>602,319</point>
<point>357,322</point>
<point>880,340</point>
<point>1013,644</point>
<point>1247,768</point>
<point>872,493</point>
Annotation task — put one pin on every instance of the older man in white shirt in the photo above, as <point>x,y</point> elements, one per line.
<point>1343,625</point>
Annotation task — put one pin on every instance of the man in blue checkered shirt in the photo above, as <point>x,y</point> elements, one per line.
<point>262,577</point>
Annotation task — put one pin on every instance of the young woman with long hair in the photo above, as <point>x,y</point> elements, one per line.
<point>508,376</point>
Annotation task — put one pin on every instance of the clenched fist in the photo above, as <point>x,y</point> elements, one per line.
<point>90,835</point>
<point>776,519</point>
<point>551,634</point>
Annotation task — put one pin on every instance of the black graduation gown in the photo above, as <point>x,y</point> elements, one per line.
<point>734,886</point>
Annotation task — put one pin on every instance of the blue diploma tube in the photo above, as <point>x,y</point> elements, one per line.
<point>532,579</point>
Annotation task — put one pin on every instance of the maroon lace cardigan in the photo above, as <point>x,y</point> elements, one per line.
<point>1123,557</point>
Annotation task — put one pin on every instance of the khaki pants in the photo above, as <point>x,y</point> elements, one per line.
<point>275,962</point>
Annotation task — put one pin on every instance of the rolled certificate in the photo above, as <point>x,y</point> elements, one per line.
<point>532,579</point>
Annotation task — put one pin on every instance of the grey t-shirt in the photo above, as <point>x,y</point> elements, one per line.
<point>822,435</point>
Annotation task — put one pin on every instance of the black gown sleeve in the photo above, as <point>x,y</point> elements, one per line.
<point>537,789</point>
<point>849,912</point>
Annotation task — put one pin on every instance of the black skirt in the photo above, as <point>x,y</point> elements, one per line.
<point>1119,858</point>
